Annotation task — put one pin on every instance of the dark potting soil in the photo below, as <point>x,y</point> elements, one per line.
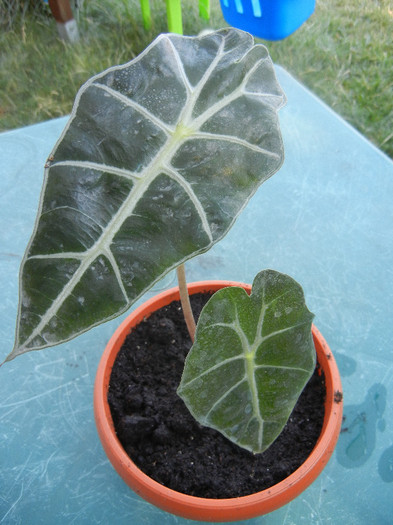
<point>162,438</point>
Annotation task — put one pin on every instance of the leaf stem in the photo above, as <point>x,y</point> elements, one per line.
<point>185,301</point>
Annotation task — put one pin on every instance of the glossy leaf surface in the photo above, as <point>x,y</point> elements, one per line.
<point>251,359</point>
<point>158,159</point>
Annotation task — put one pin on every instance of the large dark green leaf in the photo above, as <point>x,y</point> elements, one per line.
<point>251,359</point>
<point>158,159</point>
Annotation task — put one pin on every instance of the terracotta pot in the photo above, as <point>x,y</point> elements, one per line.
<point>204,509</point>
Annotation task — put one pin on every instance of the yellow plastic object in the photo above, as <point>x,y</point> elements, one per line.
<point>174,14</point>
<point>204,9</point>
<point>146,16</point>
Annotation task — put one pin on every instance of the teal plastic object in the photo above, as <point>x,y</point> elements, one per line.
<point>268,19</point>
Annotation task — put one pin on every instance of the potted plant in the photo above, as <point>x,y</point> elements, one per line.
<point>158,159</point>
<point>123,347</point>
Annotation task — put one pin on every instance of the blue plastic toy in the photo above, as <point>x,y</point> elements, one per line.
<point>268,19</point>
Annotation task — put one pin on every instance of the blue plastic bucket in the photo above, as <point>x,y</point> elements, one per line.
<point>268,19</point>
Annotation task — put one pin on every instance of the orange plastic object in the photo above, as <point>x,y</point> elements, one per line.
<point>204,509</point>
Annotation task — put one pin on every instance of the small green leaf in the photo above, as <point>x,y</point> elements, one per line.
<point>251,359</point>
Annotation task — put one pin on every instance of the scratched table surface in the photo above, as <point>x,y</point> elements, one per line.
<point>326,218</point>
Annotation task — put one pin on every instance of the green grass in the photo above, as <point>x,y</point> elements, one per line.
<point>343,53</point>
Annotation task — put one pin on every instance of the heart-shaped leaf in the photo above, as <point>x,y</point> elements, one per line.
<point>251,359</point>
<point>159,157</point>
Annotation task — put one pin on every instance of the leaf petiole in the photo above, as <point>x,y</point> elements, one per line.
<point>185,301</point>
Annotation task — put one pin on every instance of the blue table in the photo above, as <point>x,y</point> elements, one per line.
<point>326,219</point>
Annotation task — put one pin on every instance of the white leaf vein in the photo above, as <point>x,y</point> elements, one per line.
<point>228,99</point>
<point>212,369</point>
<point>76,210</point>
<point>107,253</point>
<point>186,114</point>
<point>180,66</point>
<point>235,140</point>
<point>173,174</point>
<point>104,168</point>
<point>281,331</point>
<point>226,394</point>
<point>137,107</point>
<point>281,367</point>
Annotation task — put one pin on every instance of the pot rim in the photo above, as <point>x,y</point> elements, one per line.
<point>194,507</point>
